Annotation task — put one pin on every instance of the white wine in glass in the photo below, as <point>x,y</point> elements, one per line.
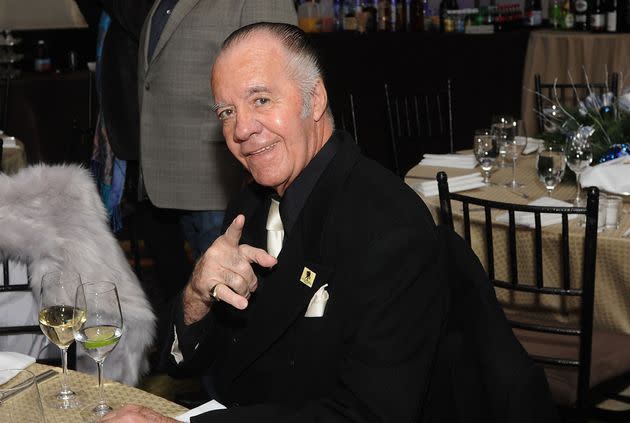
<point>58,320</point>
<point>99,333</point>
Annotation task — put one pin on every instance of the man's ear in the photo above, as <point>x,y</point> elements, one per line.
<point>320,100</point>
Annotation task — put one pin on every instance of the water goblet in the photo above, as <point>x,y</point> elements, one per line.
<point>503,129</point>
<point>99,333</point>
<point>513,149</point>
<point>550,165</point>
<point>19,397</point>
<point>579,154</point>
<point>486,150</point>
<point>57,320</point>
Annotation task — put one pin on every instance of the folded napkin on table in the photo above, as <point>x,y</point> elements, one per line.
<point>528,219</point>
<point>532,145</point>
<point>208,406</point>
<point>457,183</point>
<point>465,161</point>
<point>13,360</point>
<point>612,176</point>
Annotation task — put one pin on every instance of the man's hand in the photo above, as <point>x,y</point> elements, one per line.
<point>225,268</point>
<point>135,414</point>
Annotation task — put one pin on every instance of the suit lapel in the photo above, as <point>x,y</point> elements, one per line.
<point>179,12</point>
<point>281,297</point>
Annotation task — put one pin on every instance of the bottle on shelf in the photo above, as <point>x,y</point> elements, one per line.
<point>350,21</point>
<point>42,62</point>
<point>327,14</point>
<point>533,13</point>
<point>309,16</point>
<point>368,10</point>
<point>581,15</point>
<point>568,19</point>
<point>612,16</point>
<point>416,16</point>
<point>598,16</point>
<point>555,14</point>
<point>447,20</point>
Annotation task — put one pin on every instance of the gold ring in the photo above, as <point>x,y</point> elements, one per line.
<point>213,293</point>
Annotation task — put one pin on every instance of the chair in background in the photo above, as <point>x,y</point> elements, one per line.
<point>52,217</point>
<point>567,94</point>
<point>419,122</point>
<point>345,114</point>
<point>577,360</point>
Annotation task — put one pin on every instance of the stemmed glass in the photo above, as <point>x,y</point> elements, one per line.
<point>503,130</point>
<point>486,150</point>
<point>99,333</point>
<point>550,164</point>
<point>579,156</point>
<point>57,320</point>
<point>514,148</point>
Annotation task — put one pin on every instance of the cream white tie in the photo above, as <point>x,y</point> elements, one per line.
<point>275,230</point>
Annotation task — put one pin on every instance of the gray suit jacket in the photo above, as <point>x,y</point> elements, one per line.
<point>185,162</point>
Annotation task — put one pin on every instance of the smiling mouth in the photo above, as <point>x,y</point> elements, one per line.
<point>262,150</point>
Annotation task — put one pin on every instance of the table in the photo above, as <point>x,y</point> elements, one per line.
<point>553,54</point>
<point>13,158</point>
<point>612,277</point>
<point>88,385</point>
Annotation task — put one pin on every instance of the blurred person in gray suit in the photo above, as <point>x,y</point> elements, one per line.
<point>185,163</point>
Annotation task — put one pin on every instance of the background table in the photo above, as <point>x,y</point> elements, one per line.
<point>612,277</point>
<point>553,54</point>
<point>88,385</point>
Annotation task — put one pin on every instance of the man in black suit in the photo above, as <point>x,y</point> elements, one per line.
<point>344,324</point>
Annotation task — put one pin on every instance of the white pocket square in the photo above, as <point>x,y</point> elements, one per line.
<point>318,303</point>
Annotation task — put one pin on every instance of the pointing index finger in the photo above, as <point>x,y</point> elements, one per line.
<point>235,230</point>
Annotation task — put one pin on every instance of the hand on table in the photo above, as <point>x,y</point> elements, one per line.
<point>226,268</point>
<point>135,414</point>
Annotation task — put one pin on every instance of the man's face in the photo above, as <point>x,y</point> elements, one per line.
<point>261,110</point>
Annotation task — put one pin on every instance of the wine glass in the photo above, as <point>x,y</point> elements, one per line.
<point>513,149</point>
<point>99,332</point>
<point>579,156</point>
<point>57,320</point>
<point>503,129</point>
<point>485,146</point>
<point>550,164</point>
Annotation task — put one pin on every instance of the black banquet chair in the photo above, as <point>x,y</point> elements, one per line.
<point>581,364</point>
<point>420,121</point>
<point>568,94</point>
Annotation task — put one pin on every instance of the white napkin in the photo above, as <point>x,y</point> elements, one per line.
<point>532,145</point>
<point>528,219</point>
<point>9,142</point>
<point>209,406</point>
<point>317,305</point>
<point>464,161</point>
<point>612,176</point>
<point>13,360</point>
<point>455,184</point>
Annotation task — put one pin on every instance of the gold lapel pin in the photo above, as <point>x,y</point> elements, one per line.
<point>308,277</point>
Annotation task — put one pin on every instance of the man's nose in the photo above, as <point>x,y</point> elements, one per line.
<point>246,125</point>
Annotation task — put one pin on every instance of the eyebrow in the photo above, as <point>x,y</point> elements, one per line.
<point>253,90</point>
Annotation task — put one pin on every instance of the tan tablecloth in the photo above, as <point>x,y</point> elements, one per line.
<point>554,53</point>
<point>13,159</point>
<point>88,387</point>
<point>612,286</point>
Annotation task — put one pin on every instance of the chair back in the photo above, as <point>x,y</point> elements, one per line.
<point>567,287</point>
<point>420,121</point>
<point>346,116</point>
<point>568,94</point>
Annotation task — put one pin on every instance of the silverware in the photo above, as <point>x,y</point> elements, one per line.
<point>22,386</point>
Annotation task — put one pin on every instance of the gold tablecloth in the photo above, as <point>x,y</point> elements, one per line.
<point>88,387</point>
<point>612,285</point>
<point>554,53</point>
<point>13,159</point>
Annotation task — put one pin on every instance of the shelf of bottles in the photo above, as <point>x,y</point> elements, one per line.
<point>418,16</point>
<point>9,57</point>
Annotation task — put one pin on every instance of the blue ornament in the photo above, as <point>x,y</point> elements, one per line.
<point>615,151</point>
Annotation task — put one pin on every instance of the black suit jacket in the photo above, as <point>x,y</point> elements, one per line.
<point>370,357</point>
<point>119,72</point>
<point>482,373</point>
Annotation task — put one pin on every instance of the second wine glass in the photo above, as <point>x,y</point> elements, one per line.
<point>99,334</point>
<point>486,150</point>
<point>550,164</point>
<point>579,156</point>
